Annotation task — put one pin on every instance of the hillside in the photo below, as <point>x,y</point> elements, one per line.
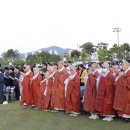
<point>52,50</point>
<point>57,49</point>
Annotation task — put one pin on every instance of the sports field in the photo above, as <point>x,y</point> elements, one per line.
<point>13,117</point>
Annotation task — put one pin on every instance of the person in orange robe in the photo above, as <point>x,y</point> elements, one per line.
<point>91,91</point>
<point>48,89</point>
<point>126,110</point>
<point>119,90</point>
<point>35,86</point>
<point>41,95</point>
<point>72,92</point>
<point>60,88</point>
<point>55,81</point>
<point>25,96</point>
<point>105,94</point>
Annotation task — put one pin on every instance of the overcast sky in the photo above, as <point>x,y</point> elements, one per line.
<point>28,25</point>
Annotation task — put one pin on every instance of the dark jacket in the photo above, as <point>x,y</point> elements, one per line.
<point>1,87</point>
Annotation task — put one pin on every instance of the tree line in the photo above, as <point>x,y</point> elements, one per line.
<point>13,57</point>
<point>101,50</point>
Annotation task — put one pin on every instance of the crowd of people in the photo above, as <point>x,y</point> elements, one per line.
<point>103,90</point>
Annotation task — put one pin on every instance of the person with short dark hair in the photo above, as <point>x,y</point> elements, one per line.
<point>1,87</point>
<point>83,73</point>
<point>1,69</point>
<point>6,76</point>
<point>16,82</point>
<point>7,85</point>
<point>11,76</point>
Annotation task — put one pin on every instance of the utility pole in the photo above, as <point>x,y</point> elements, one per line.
<point>117,30</point>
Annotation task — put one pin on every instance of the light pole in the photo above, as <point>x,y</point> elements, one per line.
<point>117,30</point>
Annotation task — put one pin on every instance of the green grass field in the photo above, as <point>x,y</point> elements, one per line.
<point>13,117</point>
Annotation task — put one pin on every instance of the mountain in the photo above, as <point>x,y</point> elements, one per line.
<point>56,49</point>
<point>52,50</point>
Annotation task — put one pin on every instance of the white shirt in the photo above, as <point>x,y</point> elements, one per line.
<point>35,76</point>
<point>61,69</point>
<point>100,70</point>
<point>66,82</point>
<point>127,70</point>
<point>27,73</point>
<point>106,73</point>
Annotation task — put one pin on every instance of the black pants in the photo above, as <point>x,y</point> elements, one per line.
<point>17,91</point>
<point>1,94</point>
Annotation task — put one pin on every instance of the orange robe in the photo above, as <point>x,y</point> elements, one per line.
<point>119,95</point>
<point>60,90</point>
<point>90,93</point>
<point>53,95</point>
<point>47,99</point>
<point>35,86</point>
<point>41,97</point>
<point>73,103</point>
<point>127,94</point>
<point>105,95</point>
<point>25,96</point>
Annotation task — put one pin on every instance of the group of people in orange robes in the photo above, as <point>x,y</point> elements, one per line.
<point>107,92</point>
<point>58,92</point>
